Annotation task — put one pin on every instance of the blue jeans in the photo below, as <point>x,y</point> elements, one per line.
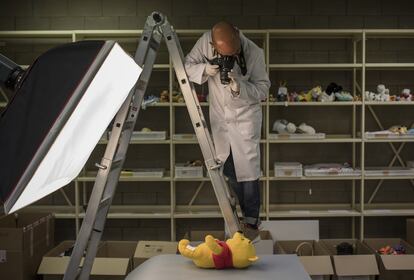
<point>248,193</point>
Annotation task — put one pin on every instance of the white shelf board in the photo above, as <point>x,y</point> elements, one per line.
<point>328,139</point>
<point>335,103</point>
<point>390,103</point>
<point>295,66</point>
<point>313,213</point>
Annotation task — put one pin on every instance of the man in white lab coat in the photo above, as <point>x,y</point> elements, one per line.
<point>235,110</point>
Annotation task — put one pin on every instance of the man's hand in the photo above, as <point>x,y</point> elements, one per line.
<point>211,70</point>
<point>234,83</point>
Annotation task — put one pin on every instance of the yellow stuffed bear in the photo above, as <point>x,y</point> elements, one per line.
<point>237,252</point>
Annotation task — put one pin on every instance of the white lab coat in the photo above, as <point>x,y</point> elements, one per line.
<point>235,121</point>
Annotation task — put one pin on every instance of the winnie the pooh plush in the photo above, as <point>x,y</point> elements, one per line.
<point>237,252</point>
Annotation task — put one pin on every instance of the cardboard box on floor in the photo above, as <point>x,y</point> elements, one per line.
<point>113,261</point>
<point>410,231</point>
<point>398,267</point>
<point>148,249</point>
<point>24,239</point>
<point>313,256</point>
<point>362,265</point>
<point>263,247</point>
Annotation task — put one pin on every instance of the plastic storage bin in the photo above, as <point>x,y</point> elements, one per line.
<point>184,171</point>
<point>288,169</point>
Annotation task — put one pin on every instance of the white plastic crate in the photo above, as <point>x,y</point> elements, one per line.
<point>184,136</point>
<point>277,136</point>
<point>375,135</point>
<point>288,169</point>
<point>144,172</point>
<point>183,171</point>
<point>321,170</point>
<point>389,171</point>
<point>149,135</point>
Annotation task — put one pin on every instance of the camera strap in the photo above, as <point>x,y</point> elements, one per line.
<point>241,61</point>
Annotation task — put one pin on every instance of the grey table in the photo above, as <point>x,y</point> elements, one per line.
<point>176,267</point>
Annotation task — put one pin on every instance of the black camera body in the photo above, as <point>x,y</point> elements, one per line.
<point>226,64</point>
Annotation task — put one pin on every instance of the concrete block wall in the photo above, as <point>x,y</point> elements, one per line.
<point>246,14</point>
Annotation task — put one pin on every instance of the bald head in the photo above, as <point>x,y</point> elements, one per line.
<point>226,38</point>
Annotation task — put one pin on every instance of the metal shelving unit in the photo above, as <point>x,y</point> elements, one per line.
<point>358,66</point>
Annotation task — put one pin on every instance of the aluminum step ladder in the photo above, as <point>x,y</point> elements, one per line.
<point>86,246</point>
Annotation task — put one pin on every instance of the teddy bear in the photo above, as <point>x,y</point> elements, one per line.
<point>236,252</point>
<point>382,94</point>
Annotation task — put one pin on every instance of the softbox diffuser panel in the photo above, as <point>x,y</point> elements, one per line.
<point>67,99</point>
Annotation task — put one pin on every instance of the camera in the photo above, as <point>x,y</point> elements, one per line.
<point>226,64</point>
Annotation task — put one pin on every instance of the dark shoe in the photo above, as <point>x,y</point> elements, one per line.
<point>251,232</point>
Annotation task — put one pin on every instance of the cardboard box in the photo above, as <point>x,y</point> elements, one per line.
<point>113,261</point>
<point>148,249</point>
<point>24,238</point>
<point>266,244</point>
<point>199,235</point>
<point>362,265</point>
<point>292,230</point>
<point>398,267</point>
<point>313,256</point>
<point>410,231</point>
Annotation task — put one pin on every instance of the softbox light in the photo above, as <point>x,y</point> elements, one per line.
<point>66,100</point>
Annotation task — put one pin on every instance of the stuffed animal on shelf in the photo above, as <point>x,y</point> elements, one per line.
<point>282,92</point>
<point>343,96</point>
<point>405,95</point>
<point>303,128</point>
<point>398,129</point>
<point>237,252</point>
<point>177,97</point>
<point>284,127</point>
<point>314,94</point>
<point>382,94</point>
<point>324,97</point>
<point>332,88</point>
<point>164,96</point>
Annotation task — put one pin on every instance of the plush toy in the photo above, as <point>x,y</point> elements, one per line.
<point>237,252</point>
<point>177,97</point>
<point>332,88</point>
<point>382,94</point>
<point>164,96</point>
<point>324,97</point>
<point>398,129</point>
<point>405,95</point>
<point>303,128</point>
<point>294,97</point>
<point>343,96</point>
<point>282,92</point>
<point>284,127</point>
<point>314,93</point>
